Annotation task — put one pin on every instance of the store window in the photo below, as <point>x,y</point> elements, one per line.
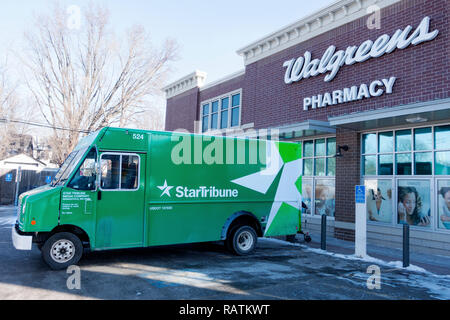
<point>406,173</point>
<point>319,170</point>
<point>443,204</point>
<point>324,197</point>
<point>214,114</point>
<point>379,200</point>
<point>414,205</point>
<point>205,117</point>
<point>307,194</point>
<point>235,110</point>
<point>222,112</point>
<point>319,157</point>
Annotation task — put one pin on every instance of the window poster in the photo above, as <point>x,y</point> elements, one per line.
<point>413,202</point>
<point>443,204</point>
<point>325,197</point>
<point>307,195</point>
<point>379,200</point>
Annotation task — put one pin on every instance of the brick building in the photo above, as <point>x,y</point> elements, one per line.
<point>364,85</point>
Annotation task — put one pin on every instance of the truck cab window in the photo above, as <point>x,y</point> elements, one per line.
<point>110,172</point>
<point>119,172</point>
<point>86,175</point>
<point>130,166</point>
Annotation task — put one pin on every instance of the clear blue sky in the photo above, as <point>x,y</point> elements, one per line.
<point>209,32</point>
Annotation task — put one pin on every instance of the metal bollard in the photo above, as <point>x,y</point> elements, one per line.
<point>323,231</point>
<point>405,245</point>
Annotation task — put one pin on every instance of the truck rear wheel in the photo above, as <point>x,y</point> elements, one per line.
<point>62,250</point>
<point>242,240</point>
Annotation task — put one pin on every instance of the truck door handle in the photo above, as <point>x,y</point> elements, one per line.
<point>99,195</point>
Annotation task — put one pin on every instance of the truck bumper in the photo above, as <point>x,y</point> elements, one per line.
<point>21,242</point>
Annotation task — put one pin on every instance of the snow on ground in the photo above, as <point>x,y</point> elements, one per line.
<point>437,285</point>
<point>7,209</point>
<point>7,222</point>
<point>395,264</point>
<point>7,216</point>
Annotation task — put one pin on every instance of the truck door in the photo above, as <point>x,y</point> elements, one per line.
<point>120,201</point>
<point>78,198</point>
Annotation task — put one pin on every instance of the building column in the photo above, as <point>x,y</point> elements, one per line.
<point>347,176</point>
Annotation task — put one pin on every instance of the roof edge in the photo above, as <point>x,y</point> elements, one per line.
<point>331,17</point>
<point>193,80</point>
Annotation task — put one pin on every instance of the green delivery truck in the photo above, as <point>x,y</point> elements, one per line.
<point>126,188</point>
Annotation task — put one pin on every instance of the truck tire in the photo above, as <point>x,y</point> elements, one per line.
<point>242,240</point>
<point>62,250</point>
<point>229,240</point>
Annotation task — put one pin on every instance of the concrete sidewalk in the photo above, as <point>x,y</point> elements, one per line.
<point>433,263</point>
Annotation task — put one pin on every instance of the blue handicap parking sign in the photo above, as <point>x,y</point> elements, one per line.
<point>9,177</point>
<point>48,179</point>
<point>360,194</point>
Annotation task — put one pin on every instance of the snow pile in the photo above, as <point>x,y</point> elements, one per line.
<point>437,285</point>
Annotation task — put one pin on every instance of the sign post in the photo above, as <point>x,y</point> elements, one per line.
<point>360,222</point>
<point>18,179</point>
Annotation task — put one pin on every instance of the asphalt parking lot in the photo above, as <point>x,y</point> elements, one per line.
<point>277,270</point>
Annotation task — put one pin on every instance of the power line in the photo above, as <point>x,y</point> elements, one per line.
<point>43,125</point>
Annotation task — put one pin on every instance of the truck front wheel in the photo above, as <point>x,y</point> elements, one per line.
<point>62,250</point>
<point>242,240</point>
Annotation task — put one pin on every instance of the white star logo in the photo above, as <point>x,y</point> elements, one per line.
<point>165,189</point>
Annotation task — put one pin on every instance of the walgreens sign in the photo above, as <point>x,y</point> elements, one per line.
<point>331,62</point>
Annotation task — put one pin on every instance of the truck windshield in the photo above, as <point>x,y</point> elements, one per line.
<point>68,166</point>
<point>73,159</point>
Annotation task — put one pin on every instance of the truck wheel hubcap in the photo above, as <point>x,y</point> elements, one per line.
<point>62,251</point>
<point>245,241</point>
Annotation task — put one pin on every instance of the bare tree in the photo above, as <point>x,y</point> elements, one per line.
<point>8,108</point>
<point>84,79</point>
<point>154,115</point>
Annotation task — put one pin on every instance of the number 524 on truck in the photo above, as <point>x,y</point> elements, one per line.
<point>126,188</point>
